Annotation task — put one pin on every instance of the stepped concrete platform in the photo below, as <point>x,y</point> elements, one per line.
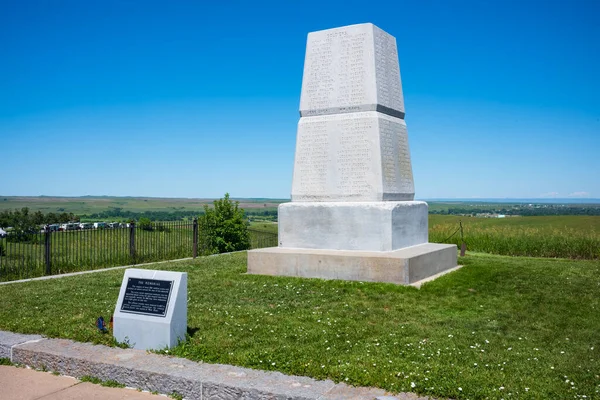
<point>406,266</point>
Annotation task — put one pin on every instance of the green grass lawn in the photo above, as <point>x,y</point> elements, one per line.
<point>500,327</point>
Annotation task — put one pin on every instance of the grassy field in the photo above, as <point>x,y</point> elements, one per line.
<point>264,226</point>
<point>575,237</point>
<point>91,205</point>
<point>501,327</point>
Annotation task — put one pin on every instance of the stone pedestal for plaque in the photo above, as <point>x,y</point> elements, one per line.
<point>151,311</point>
<point>353,214</point>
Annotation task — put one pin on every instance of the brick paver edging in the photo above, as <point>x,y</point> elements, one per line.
<point>154,372</point>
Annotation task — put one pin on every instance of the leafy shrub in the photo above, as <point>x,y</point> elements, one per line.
<point>222,228</point>
<point>161,228</point>
<point>145,224</point>
<point>23,236</point>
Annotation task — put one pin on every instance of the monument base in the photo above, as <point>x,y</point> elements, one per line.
<point>361,226</point>
<point>404,266</point>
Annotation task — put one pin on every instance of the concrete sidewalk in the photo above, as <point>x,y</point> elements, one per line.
<point>28,384</point>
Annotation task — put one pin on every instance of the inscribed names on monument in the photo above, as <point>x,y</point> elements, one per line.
<point>352,157</point>
<point>395,158</point>
<point>387,74</point>
<point>351,69</point>
<point>352,143</point>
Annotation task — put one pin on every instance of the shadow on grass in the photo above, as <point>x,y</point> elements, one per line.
<point>192,331</point>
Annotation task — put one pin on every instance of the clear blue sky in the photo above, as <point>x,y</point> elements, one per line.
<point>195,99</point>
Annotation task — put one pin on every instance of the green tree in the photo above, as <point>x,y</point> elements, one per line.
<point>63,218</point>
<point>24,228</point>
<point>5,219</point>
<point>145,224</point>
<point>38,218</point>
<point>223,228</point>
<point>51,218</point>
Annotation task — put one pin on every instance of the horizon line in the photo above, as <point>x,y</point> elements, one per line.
<point>462,199</point>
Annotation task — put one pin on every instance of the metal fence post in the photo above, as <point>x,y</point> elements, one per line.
<point>463,245</point>
<point>47,254</point>
<point>132,242</point>
<point>195,250</point>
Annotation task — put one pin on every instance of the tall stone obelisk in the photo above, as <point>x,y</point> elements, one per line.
<point>353,214</point>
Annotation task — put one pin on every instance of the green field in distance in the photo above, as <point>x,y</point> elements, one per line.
<point>90,205</point>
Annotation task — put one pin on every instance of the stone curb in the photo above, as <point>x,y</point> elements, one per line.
<point>8,340</point>
<point>164,374</point>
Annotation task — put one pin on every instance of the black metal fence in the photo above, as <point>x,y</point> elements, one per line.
<point>57,252</point>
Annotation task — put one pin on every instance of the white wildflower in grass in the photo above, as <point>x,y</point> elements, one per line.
<point>412,384</point>
<point>460,389</point>
<point>501,388</point>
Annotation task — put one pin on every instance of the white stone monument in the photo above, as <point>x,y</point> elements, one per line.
<point>353,214</point>
<point>151,311</point>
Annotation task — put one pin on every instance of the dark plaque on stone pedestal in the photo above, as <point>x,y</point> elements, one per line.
<point>151,310</point>
<point>147,297</point>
